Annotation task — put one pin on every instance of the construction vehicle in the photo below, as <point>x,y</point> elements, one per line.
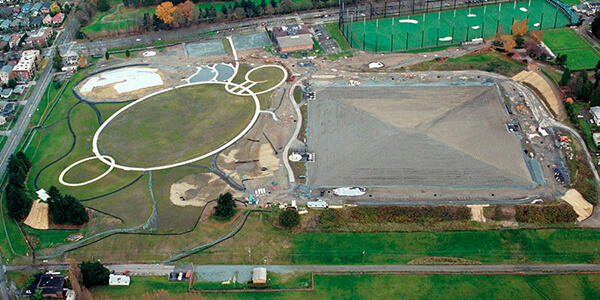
<point>526,103</point>
<point>269,60</point>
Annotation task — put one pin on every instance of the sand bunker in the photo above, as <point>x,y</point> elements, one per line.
<point>409,21</point>
<point>124,80</point>
<point>583,208</point>
<point>38,215</point>
<point>197,189</point>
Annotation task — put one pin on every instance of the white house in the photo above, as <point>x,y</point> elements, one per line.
<point>118,280</point>
<point>595,111</point>
<point>596,137</point>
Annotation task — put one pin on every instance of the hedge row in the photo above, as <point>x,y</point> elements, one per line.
<point>409,214</point>
<point>546,214</point>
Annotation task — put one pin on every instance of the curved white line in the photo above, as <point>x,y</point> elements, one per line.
<point>231,142</point>
<point>62,174</point>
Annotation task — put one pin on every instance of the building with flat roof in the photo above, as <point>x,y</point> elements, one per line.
<point>26,67</point>
<point>595,111</point>
<point>293,38</point>
<point>118,279</point>
<point>40,37</point>
<point>5,74</point>
<point>52,286</point>
<point>259,275</point>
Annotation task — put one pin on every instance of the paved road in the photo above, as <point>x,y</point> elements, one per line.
<point>299,117</point>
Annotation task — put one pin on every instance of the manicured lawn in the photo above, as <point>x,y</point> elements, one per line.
<point>509,246</point>
<point>176,126</point>
<point>337,35</point>
<point>140,286</point>
<point>580,54</point>
<point>492,62</point>
<point>266,78</point>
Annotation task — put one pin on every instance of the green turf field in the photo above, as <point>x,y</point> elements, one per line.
<point>580,54</point>
<point>176,126</point>
<point>449,27</point>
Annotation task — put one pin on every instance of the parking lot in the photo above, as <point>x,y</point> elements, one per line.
<point>327,44</point>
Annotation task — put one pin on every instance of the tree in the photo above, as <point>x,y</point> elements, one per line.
<point>12,83</point>
<point>509,45</point>
<point>498,36</point>
<point>286,6</point>
<point>566,76</point>
<point>224,10</point>
<point>54,9</point>
<point>164,12</point>
<point>66,209</point>
<point>561,59</point>
<point>107,55</point>
<point>82,61</point>
<point>103,5</point>
<point>127,53</point>
<point>289,218</point>
<point>596,26</point>
<point>225,206</point>
<point>94,274</point>
<point>57,62</point>
<point>67,7</point>
<point>239,13</point>
<point>595,98</point>
<point>583,87</point>
<point>269,10</point>
<point>537,36</point>
<point>188,12</point>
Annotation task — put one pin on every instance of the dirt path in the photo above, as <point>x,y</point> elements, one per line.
<point>477,212</point>
<point>38,216</point>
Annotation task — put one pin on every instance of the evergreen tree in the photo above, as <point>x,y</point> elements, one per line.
<point>57,62</point>
<point>127,53</point>
<point>225,206</point>
<point>595,98</point>
<point>596,26</point>
<point>94,274</point>
<point>224,10</point>
<point>564,80</point>
<point>107,55</point>
<point>263,4</point>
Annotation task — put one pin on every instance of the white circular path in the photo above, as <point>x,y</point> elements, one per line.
<point>242,89</point>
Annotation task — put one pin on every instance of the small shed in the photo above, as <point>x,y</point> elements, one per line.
<point>259,275</point>
<point>114,280</point>
<point>42,194</point>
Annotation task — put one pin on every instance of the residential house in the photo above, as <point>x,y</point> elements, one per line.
<point>39,37</point>
<point>5,73</point>
<point>8,108</point>
<point>293,38</point>
<point>26,67</point>
<point>19,89</point>
<point>45,7</point>
<point>5,25</point>
<point>16,10</point>
<point>47,20</point>
<point>15,24</point>
<point>35,9</point>
<point>26,9</point>
<point>36,22</point>
<point>6,93</point>
<point>58,18</point>
<point>70,62</point>
<point>24,23</point>
<point>52,286</point>
<point>595,111</point>
<point>596,137</point>
<point>14,40</point>
<point>5,12</point>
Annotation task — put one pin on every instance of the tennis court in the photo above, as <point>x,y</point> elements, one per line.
<point>450,26</point>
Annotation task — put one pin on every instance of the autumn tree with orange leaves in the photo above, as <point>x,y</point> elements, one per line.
<point>509,45</point>
<point>519,28</point>
<point>184,14</point>
<point>164,12</point>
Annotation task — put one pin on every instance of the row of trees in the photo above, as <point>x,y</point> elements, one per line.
<point>17,198</point>
<point>581,87</point>
<point>546,214</point>
<point>66,209</point>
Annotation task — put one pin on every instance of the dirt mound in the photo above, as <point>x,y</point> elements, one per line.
<point>197,189</point>
<point>38,215</point>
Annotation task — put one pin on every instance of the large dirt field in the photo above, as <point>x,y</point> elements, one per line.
<point>411,136</point>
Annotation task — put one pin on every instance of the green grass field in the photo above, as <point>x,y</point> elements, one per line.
<point>580,54</point>
<point>449,27</point>
<point>140,286</point>
<point>439,287</point>
<point>176,126</point>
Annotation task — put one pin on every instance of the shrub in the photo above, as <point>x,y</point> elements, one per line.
<point>497,213</point>
<point>545,214</point>
<point>409,214</point>
<point>225,206</point>
<point>330,220</point>
<point>289,218</point>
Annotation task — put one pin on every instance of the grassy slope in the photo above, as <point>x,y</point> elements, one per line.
<point>140,286</point>
<point>580,55</point>
<point>495,62</point>
<point>336,34</point>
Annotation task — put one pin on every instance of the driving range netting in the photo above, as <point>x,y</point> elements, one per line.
<point>436,28</point>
